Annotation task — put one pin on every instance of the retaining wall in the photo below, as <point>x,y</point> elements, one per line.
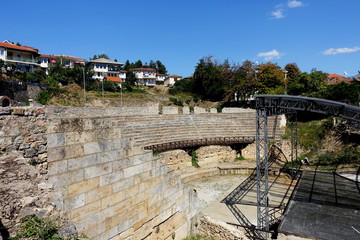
<point>101,177</point>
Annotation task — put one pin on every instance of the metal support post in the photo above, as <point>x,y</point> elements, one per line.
<point>262,170</point>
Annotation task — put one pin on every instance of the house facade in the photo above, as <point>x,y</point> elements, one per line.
<point>145,76</point>
<point>103,67</point>
<point>160,78</point>
<point>67,61</point>
<point>25,58</point>
<point>171,80</point>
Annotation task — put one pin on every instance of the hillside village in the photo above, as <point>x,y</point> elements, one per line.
<point>212,81</point>
<point>28,58</point>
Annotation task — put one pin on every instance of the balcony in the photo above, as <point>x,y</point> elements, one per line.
<point>21,59</point>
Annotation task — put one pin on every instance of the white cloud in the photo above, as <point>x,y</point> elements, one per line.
<point>270,55</point>
<point>278,14</point>
<point>294,4</point>
<point>333,51</point>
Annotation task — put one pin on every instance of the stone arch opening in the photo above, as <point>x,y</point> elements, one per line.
<point>4,101</point>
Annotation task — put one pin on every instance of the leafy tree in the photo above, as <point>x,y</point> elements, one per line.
<point>130,78</point>
<point>244,81</point>
<point>292,72</point>
<point>160,67</point>
<point>127,65</point>
<point>181,86</point>
<point>271,79</point>
<point>208,79</point>
<point>152,64</point>
<point>138,64</point>
<point>344,92</point>
<point>103,55</point>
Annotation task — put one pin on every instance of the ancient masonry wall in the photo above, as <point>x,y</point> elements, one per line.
<point>92,165</point>
<point>112,188</point>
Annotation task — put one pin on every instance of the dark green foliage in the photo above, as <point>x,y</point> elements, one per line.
<point>103,55</point>
<point>349,154</point>
<point>33,227</point>
<point>160,67</point>
<point>194,161</point>
<point>130,78</point>
<point>181,86</point>
<point>344,92</point>
<point>208,80</point>
<point>176,102</point>
<point>138,64</point>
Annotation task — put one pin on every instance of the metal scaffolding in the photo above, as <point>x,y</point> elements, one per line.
<point>269,105</point>
<point>262,170</point>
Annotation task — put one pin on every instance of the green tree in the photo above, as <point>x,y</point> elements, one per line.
<point>160,67</point>
<point>103,55</point>
<point>130,78</point>
<point>127,65</point>
<point>271,79</point>
<point>152,64</point>
<point>244,81</point>
<point>138,64</point>
<point>208,79</point>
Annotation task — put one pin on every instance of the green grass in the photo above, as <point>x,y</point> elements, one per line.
<point>241,158</point>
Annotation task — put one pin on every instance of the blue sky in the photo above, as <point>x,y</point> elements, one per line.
<point>321,34</point>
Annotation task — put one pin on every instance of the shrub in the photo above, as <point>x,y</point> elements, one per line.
<point>194,161</point>
<point>33,227</point>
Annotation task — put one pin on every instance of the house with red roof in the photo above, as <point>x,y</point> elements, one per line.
<point>145,76</point>
<point>104,68</point>
<point>25,58</point>
<point>334,78</point>
<point>67,61</point>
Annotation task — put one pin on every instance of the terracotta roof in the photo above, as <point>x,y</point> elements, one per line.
<point>21,48</point>
<point>143,69</point>
<point>63,56</point>
<point>113,79</point>
<point>336,78</point>
<point>160,74</point>
<point>105,60</point>
<point>175,76</point>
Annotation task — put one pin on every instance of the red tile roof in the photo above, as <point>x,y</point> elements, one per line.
<point>63,56</point>
<point>113,79</point>
<point>143,69</point>
<point>21,48</point>
<point>336,78</point>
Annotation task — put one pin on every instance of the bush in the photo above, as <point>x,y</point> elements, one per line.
<point>194,161</point>
<point>33,227</point>
<point>43,97</point>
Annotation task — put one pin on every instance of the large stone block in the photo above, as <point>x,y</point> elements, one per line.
<point>83,186</point>
<point>98,170</point>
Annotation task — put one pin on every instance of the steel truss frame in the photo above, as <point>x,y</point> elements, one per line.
<point>269,105</point>
<point>262,184</point>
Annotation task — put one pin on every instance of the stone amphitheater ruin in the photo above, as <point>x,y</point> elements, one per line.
<point>94,168</point>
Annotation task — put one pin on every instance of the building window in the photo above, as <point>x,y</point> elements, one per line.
<point>2,51</point>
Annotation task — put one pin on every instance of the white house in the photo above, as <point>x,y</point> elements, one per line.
<point>103,67</point>
<point>67,61</point>
<point>145,76</point>
<point>172,80</point>
<point>160,78</point>
<point>24,57</point>
<point>122,75</point>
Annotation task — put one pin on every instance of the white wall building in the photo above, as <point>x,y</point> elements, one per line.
<point>103,67</point>
<point>67,61</point>
<point>24,57</point>
<point>160,78</point>
<point>172,80</point>
<point>145,76</point>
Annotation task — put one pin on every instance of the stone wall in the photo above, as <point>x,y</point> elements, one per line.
<point>23,166</point>
<point>90,166</point>
<point>219,230</point>
<point>110,187</point>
